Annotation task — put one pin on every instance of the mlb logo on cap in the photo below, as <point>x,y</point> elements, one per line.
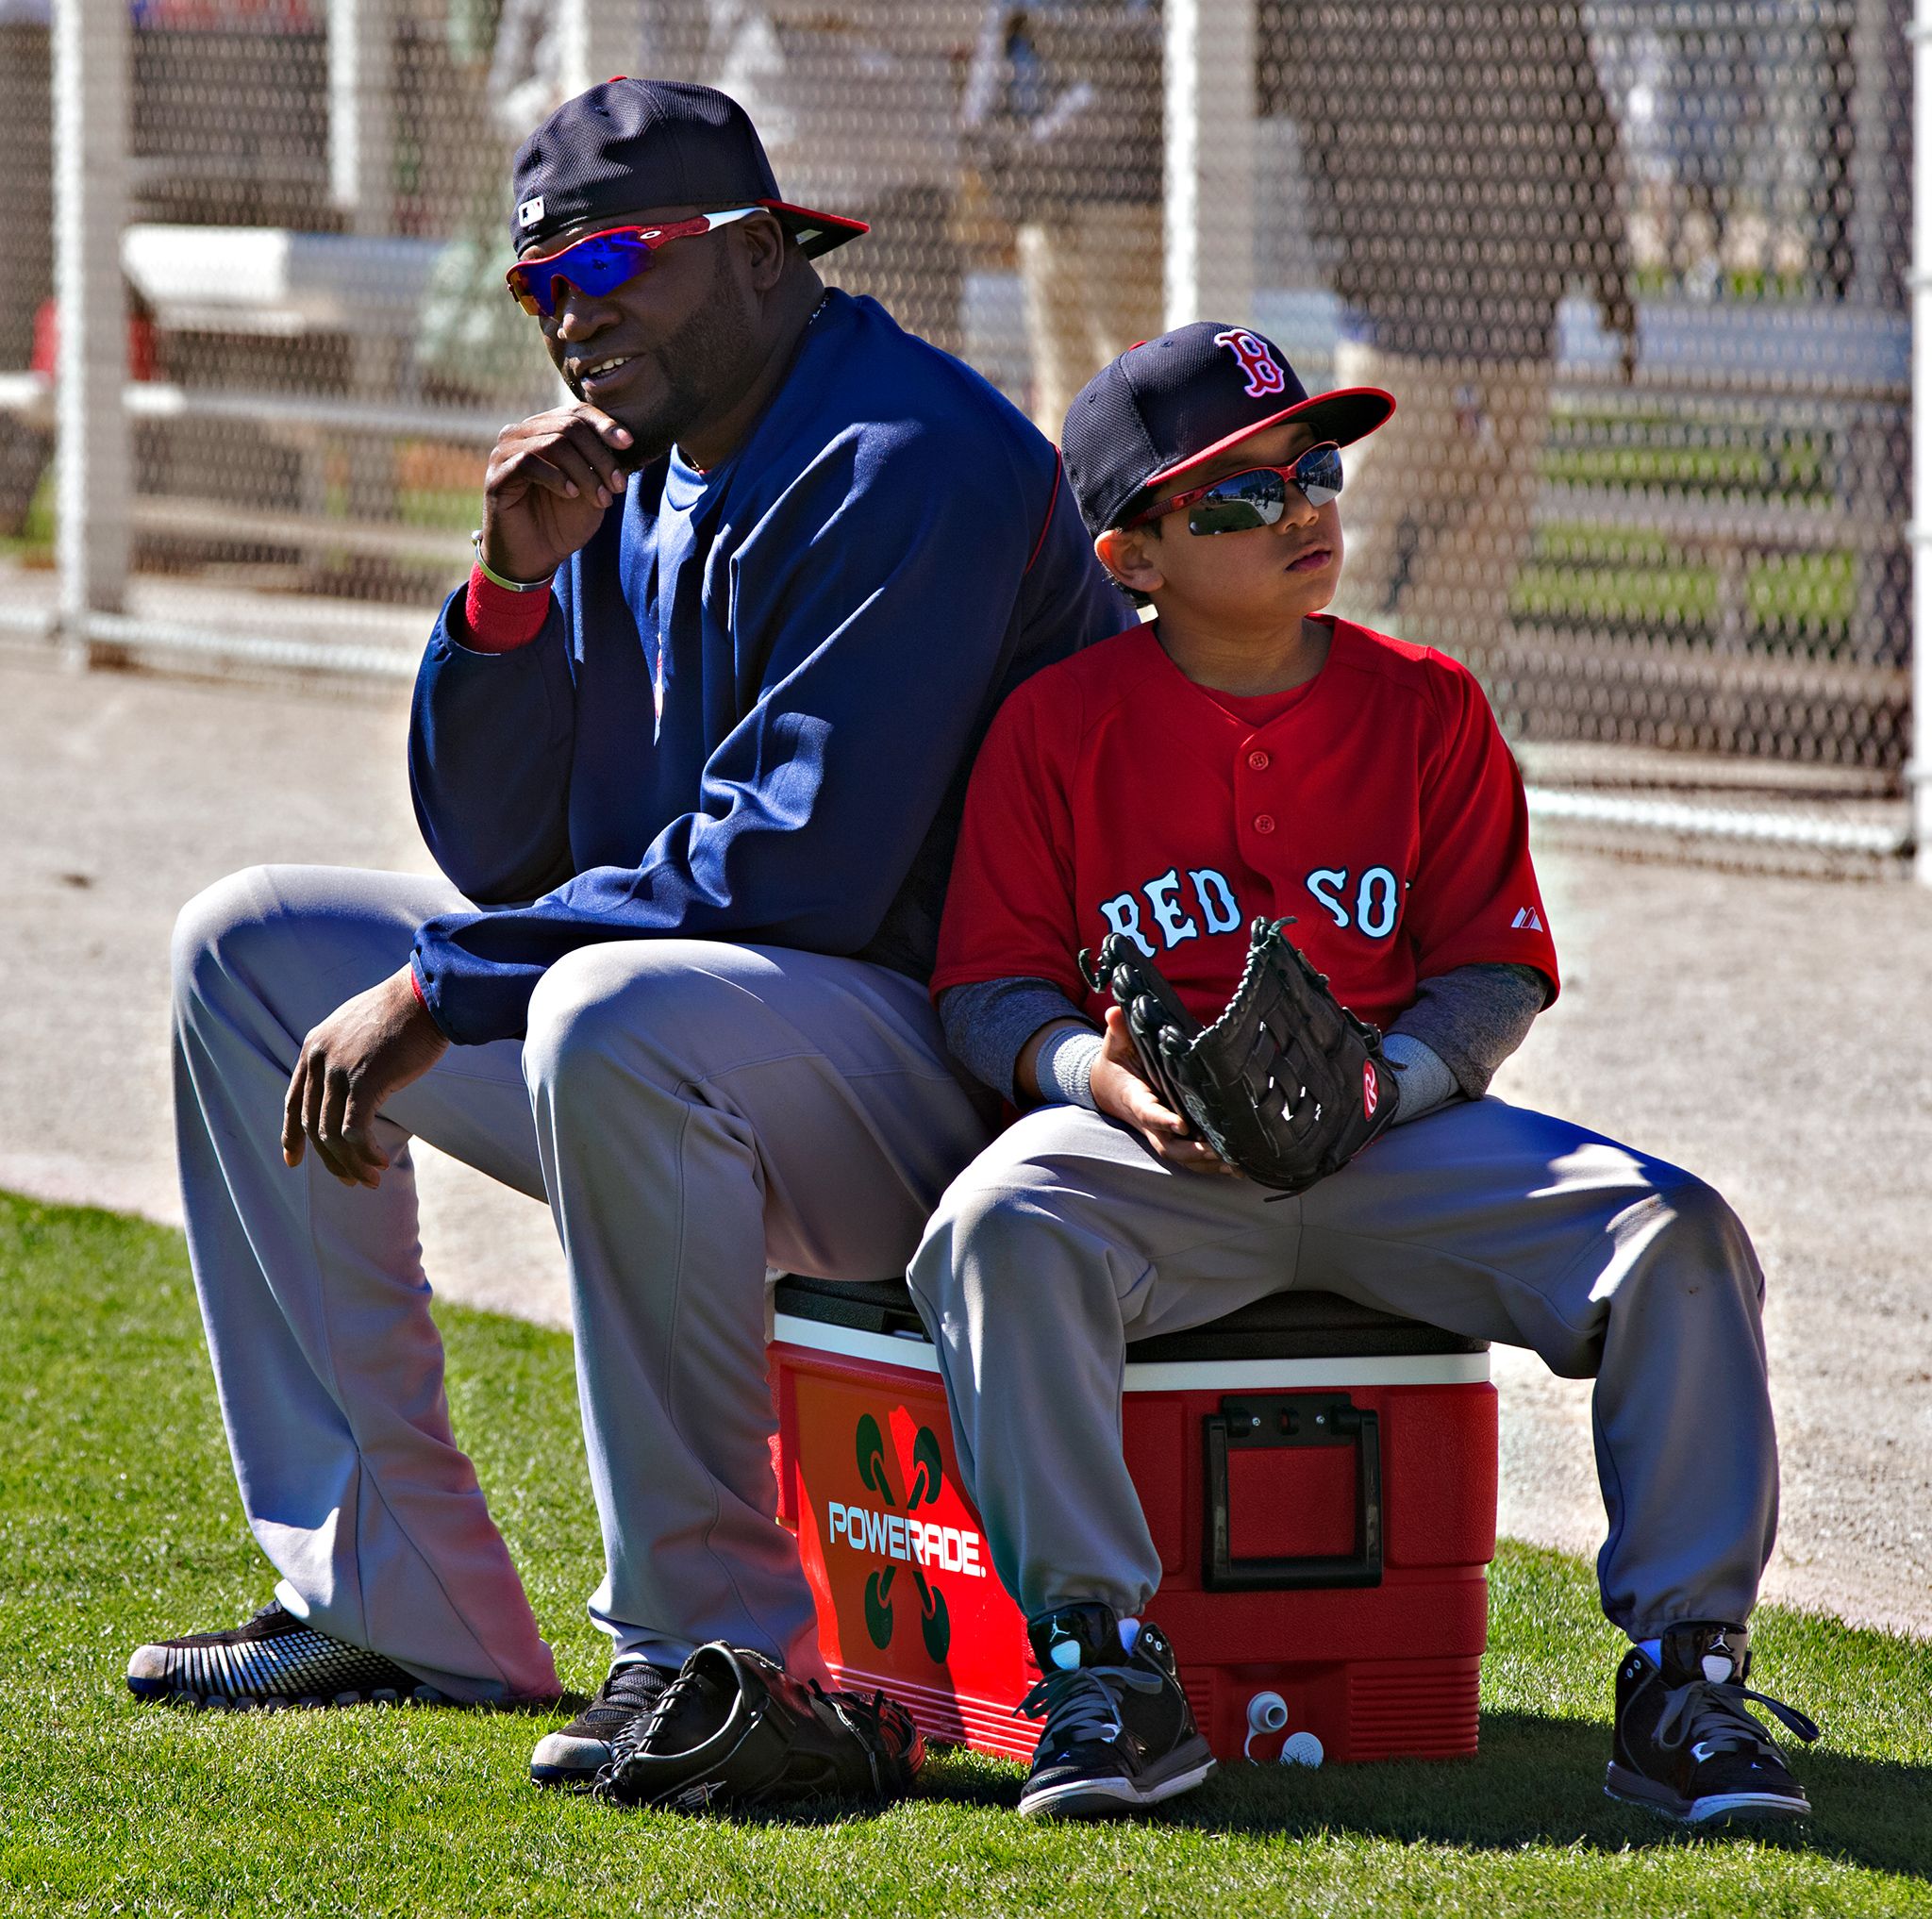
<point>1176,402</point>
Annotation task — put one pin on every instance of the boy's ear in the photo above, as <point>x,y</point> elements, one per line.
<point>1125,555</point>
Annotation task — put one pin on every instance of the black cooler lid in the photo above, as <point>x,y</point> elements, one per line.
<point>1285,1326</point>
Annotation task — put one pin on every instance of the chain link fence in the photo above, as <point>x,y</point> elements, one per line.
<point>1636,271</point>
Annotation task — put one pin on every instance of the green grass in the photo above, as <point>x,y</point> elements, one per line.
<point>33,546</point>
<point>1629,578</point>
<point>118,1521</point>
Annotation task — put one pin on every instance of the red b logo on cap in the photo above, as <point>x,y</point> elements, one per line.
<point>1263,371</point>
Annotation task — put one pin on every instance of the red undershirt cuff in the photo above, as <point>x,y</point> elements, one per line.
<point>500,621</point>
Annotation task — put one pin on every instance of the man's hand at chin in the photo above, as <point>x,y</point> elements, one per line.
<point>366,1051</point>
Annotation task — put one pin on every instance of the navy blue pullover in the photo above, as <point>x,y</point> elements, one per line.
<point>831,617</point>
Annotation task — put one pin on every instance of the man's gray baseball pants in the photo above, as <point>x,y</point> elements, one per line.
<point>1065,1238</point>
<point>692,1110</point>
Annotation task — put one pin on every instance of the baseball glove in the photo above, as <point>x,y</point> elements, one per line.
<point>734,1729</point>
<point>1287,1084</point>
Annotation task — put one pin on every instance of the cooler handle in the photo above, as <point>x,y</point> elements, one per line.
<point>1257,1421</point>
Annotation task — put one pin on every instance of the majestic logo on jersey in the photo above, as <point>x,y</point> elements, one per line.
<point>1527,921</point>
<point>1264,371</point>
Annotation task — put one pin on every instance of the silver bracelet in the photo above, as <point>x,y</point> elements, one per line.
<point>495,578</point>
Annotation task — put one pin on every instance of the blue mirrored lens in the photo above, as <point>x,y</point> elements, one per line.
<point>597,266</point>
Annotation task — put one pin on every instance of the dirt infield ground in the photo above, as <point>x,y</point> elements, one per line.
<point>1774,1033</point>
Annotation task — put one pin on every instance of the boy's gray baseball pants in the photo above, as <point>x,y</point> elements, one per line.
<point>692,1110</point>
<point>1066,1237</point>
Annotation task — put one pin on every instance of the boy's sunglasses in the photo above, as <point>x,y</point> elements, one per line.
<point>599,263</point>
<point>1258,497</point>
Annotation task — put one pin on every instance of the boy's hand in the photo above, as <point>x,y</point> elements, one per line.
<point>1122,1093</point>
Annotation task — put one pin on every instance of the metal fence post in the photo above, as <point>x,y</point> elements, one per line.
<point>92,52</point>
<point>1920,770</point>
<point>1209,70</point>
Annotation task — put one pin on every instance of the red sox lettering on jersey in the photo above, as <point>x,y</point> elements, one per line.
<point>1371,905</point>
<point>1376,806</point>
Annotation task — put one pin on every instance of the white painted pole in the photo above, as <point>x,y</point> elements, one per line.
<point>91,54</point>
<point>362,180</point>
<point>1210,72</point>
<point>361,112</point>
<point>601,38</point>
<point>1920,772</point>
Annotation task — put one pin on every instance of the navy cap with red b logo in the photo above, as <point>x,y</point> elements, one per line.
<point>1174,402</point>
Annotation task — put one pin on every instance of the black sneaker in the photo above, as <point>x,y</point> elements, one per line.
<point>1119,1734</point>
<point>273,1662</point>
<point>573,1755</point>
<point>1687,1746</point>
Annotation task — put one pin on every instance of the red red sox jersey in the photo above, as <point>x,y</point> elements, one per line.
<point>1376,806</point>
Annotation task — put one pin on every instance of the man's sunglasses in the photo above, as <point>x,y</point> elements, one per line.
<point>1257,497</point>
<point>599,263</point>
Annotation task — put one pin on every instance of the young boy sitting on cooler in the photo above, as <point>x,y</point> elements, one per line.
<point>1246,756</point>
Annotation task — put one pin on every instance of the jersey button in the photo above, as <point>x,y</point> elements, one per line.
<point>1258,761</point>
<point>1264,823</point>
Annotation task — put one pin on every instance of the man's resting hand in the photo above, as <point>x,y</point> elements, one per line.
<point>367,1050</point>
<point>549,481</point>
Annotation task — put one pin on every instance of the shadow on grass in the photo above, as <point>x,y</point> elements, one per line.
<point>1535,1781</point>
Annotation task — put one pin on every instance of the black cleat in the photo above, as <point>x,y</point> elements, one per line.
<point>1120,1735</point>
<point>573,1755</point>
<point>1687,1746</point>
<point>273,1662</point>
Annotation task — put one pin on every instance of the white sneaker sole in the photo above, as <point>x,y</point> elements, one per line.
<point>567,1764</point>
<point>1633,1789</point>
<point>1113,1798</point>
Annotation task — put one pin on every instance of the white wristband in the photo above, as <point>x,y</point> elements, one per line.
<point>510,586</point>
<point>1064,1067</point>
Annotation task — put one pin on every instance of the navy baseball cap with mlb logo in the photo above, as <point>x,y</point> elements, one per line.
<point>1174,402</point>
<point>632,146</point>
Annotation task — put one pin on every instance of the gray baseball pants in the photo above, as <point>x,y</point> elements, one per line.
<point>693,1111</point>
<point>1066,1238</point>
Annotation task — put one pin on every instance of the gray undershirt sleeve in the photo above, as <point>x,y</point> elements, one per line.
<point>987,1023</point>
<point>1471,1019</point>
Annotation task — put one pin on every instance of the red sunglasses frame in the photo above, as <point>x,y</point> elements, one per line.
<point>1181,502</point>
<point>650,238</point>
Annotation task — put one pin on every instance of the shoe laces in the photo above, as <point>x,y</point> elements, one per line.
<point>1084,1703</point>
<point>637,1683</point>
<point>1713,1716</point>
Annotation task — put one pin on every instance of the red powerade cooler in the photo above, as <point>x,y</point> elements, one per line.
<point>1320,1479</point>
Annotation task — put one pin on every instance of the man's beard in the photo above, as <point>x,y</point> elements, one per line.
<point>702,366</point>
